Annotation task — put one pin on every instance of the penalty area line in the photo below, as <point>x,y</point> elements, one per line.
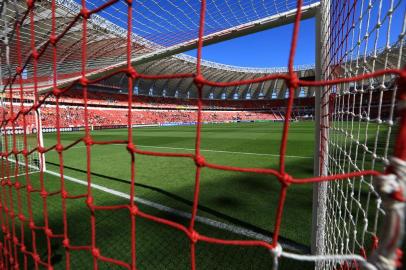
<point>220,225</point>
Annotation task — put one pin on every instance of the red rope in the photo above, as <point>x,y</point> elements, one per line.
<point>12,245</point>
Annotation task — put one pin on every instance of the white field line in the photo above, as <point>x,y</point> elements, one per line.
<point>228,227</point>
<point>207,221</point>
<point>223,226</point>
<point>23,174</point>
<point>209,150</point>
<point>22,164</point>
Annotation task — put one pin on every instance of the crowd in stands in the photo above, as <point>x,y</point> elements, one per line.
<point>161,110</point>
<point>110,109</point>
<point>74,116</point>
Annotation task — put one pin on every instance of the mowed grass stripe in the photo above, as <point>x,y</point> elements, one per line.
<point>246,199</point>
<point>212,223</point>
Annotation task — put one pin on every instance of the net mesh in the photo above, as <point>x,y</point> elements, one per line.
<point>13,139</point>
<point>15,166</point>
<point>358,129</point>
<point>358,104</point>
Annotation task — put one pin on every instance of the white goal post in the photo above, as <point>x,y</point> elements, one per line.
<point>16,140</point>
<point>355,132</point>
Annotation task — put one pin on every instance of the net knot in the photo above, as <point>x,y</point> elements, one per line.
<point>134,210</point>
<point>19,70</point>
<point>131,148</point>
<point>44,194</point>
<point>95,252</point>
<point>194,236</point>
<point>277,250</point>
<point>131,72</point>
<point>21,217</point>
<point>200,161</point>
<point>31,225</point>
<point>29,188</point>
<point>293,82</point>
<point>199,81</point>
<point>89,202</point>
<point>53,39</point>
<point>286,179</point>
<point>59,148</point>
<point>85,13</point>
<point>17,185</point>
<point>15,151</point>
<point>23,248</point>
<point>48,232</point>
<point>36,258</point>
<point>41,149</point>
<point>24,152</point>
<point>15,240</point>
<point>56,92</point>
<point>84,81</point>
<point>129,2</point>
<point>64,194</point>
<point>65,243</point>
<point>35,54</point>
<point>88,140</point>
<point>36,107</point>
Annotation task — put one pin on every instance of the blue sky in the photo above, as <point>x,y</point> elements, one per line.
<point>269,48</point>
<point>162,22</point>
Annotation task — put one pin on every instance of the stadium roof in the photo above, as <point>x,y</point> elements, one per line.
<point>161,30</point>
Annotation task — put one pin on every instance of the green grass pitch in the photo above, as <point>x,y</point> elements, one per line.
<point>239,200</point>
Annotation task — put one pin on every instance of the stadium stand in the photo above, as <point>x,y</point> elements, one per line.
<point>109,109</point>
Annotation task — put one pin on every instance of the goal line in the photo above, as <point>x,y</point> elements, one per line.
<point>209,150</point>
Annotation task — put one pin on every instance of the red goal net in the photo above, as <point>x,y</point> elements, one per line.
<point>360,159</point>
